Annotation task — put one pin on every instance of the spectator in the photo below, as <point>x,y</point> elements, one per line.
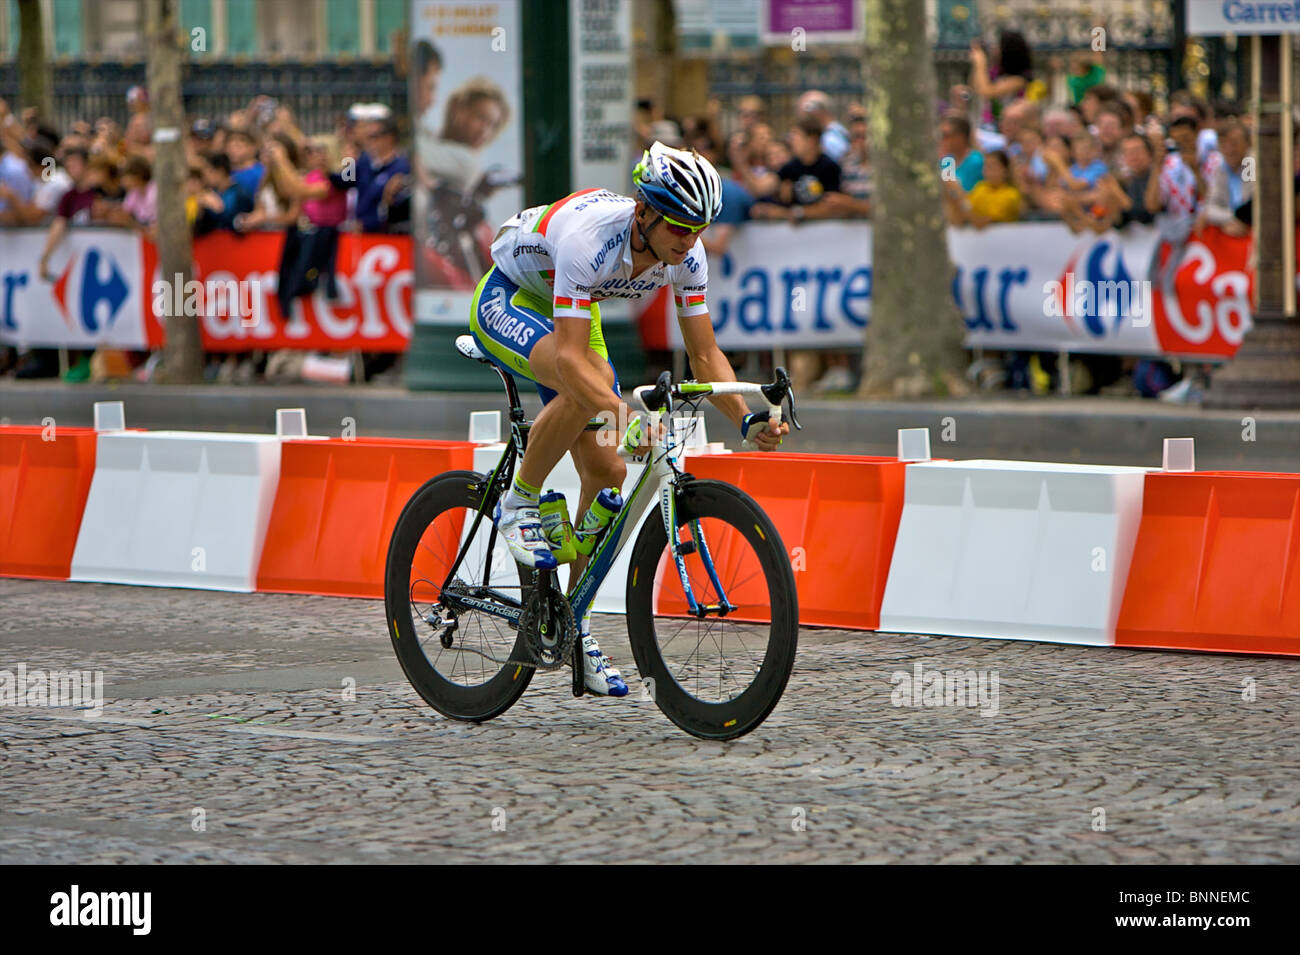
<point>1029,170</point>
<point>383,173</point>
<point>1141,106</point>
<point>1015,117</point>
<point>141,202</point>
<point>1086,71</point>
<point>273,206</point>
<point>967,164</point>
<point>194,190</point>
<point>749,164</point>
<point>223,199</point>
<point>17,184</point>
<point>855,172</point>
<point>73,209</point>
<point>1111,127</point>
<point>1083,204</point>
<point>51,182</point>
<point>994,198</point>
<point>308,259</point>
<point>751,113</point>
<point>1009,78</point>
<point>1094,99</point>
<point>834,138</point>
<point>806,179</point>
<point>1061,122</point>
<point>242,149</point>
<point>1137,161</point>
<point>1183,104</point>
<point>736,203</point>
<point>1173,192</point>
<point>1226,190</point>
<point>139,137</point>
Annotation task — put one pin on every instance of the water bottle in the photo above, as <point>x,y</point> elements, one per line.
<point>556,526</point>
<point>607,503</point>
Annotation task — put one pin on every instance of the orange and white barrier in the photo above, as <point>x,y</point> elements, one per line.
<point>837,516</point>
<point>1013,550</point>
<point>45,474</point>
<point>1082,554</point>
<point>1217,564</point>
<point>336,503</point>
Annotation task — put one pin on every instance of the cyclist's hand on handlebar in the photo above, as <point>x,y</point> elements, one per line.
<point>758,429</point>
<point>638,439</point>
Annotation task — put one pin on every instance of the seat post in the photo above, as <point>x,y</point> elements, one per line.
<point>512,395</point>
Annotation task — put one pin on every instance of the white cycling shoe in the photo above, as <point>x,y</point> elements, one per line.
<point>522,530</point>
<point>602,676</point>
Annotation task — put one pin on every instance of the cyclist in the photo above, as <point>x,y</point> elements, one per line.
<point>536,314</point>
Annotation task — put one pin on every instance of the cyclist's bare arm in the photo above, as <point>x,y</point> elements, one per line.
<point>708,363</point>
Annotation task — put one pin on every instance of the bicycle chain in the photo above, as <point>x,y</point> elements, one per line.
<point>562,650</point>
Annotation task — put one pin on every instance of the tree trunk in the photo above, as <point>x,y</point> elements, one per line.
<point>913,341</point>
<point>35,79</point>
<point>183,350</point>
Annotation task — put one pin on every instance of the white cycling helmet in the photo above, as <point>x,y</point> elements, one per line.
<point>679,185</point>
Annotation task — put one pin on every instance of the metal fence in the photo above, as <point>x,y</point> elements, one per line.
<point>318,93</point>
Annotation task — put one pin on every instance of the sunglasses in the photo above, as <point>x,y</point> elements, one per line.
<point>679,229</point>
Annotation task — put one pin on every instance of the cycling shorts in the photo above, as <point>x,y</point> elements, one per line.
<point>507,322</point>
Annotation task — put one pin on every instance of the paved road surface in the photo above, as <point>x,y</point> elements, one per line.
<point>234,705</point>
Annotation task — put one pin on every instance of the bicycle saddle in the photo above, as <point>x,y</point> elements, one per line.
<point>466,345</point>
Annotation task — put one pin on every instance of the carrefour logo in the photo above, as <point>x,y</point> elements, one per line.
<point>1096,296</point>
<point>95,300</point>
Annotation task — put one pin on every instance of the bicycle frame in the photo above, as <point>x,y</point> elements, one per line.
<point>661,472</point>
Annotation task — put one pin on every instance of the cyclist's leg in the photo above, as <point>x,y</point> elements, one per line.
<point>562,420</point>
<point>595,455</point>
<point>515,329</point>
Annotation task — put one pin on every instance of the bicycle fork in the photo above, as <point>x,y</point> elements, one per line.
<point>681,549</point>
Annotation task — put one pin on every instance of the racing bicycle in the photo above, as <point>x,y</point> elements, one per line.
<point>712,612</point>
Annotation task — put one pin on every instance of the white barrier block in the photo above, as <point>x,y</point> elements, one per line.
<point>485,427</point>
<point>1179,454</point>
<point>1014,550</point>
<point>178,509</point>
<point>110,416</point>
<point>291,422</point>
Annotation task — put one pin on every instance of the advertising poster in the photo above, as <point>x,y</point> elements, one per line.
<point>469,160</point>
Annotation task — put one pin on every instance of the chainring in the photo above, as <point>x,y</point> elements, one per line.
<point>548,628</point>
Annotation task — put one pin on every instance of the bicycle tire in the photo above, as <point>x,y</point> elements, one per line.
<point>755,573</point>
<point>415,558</point>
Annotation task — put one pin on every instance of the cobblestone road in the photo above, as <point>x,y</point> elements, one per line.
<point>233,705</point>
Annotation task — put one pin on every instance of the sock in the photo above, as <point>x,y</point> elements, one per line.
<point>521,494</point>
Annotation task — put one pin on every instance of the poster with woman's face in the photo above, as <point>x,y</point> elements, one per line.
<point>468,149</point>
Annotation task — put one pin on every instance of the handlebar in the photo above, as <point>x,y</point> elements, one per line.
<point>659,397</point>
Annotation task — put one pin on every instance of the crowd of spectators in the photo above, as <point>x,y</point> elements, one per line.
<point>252,169</point>
<point>1101,159</point>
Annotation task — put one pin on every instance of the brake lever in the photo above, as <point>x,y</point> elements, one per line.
<point>789,398</point>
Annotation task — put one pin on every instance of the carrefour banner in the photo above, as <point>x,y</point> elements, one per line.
<point>1027,286</point>
<point>90,295</point>
<point>103,288</point>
